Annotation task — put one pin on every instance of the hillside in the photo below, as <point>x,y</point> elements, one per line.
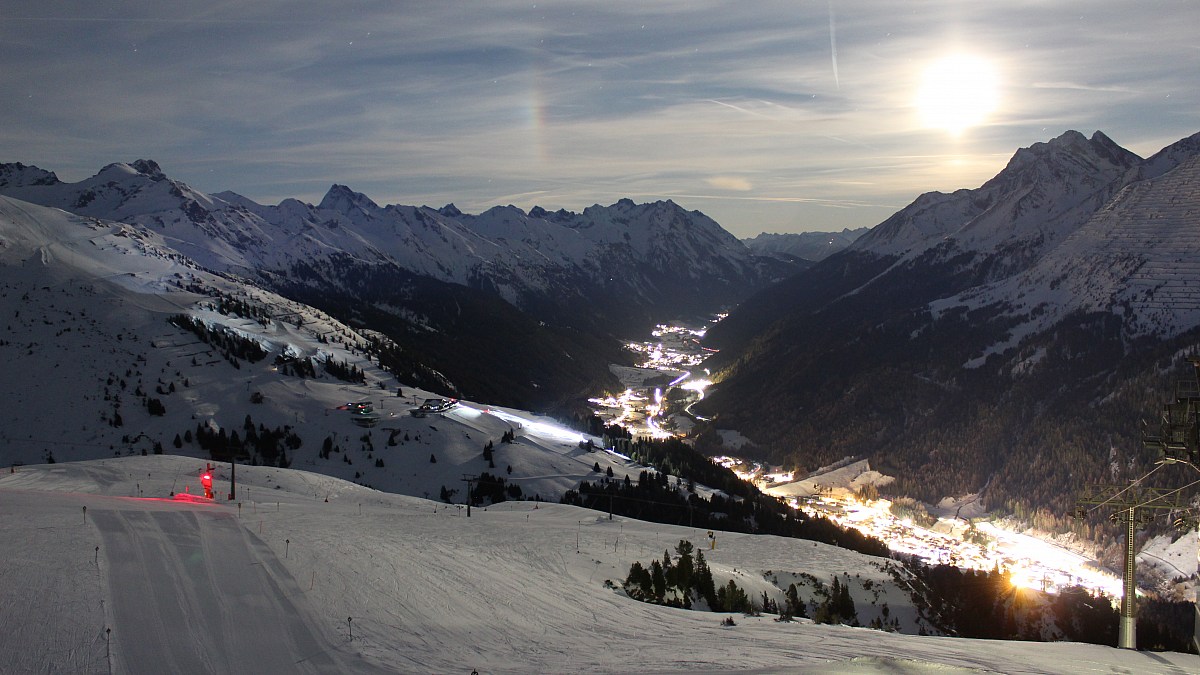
<point>1003,340</point>
<point>100,364</point>
<point>307,573</point>
<point>552,291</point>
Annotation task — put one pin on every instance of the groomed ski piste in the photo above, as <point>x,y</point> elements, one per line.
<point>303,573</point>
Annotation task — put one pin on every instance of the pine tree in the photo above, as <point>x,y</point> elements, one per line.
<point>704,584</point>
<point>658,580</point>
<point>730,598</point>
<point>769,606</point>
<point>845,606</point>
<point>639,584</point>
<point>796,605</point>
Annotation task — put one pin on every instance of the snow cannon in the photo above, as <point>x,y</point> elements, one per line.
<point>206,481</point>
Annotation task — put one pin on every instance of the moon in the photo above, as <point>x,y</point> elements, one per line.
<point>957,92</point>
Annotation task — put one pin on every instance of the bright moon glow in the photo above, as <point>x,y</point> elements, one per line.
<point>957,92</point>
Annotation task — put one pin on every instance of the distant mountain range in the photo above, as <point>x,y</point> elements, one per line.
<point>1003,339</point>
<point>513,307</point>
<point>808,246</point>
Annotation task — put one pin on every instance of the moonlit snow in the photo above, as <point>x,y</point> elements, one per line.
<point>307,573</point>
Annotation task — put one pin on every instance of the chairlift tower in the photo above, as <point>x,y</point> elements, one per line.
<point>1129,503</point>
<point>1177,440</point>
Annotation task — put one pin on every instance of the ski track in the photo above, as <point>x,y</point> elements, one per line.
<point>200,575</point>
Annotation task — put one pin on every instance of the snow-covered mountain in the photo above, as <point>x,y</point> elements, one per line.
<point>1136,257</point>
<point>812,246</point>
<point>547,292</point>
<point>1046,191</point>
<point>1057,295</point>
<point>646,255</point>
<point>115,344</point>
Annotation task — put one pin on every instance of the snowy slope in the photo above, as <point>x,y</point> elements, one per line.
<point>1135,258</point>
<point>1045,192</point>
<point>87,345</point>
<point>305,573</point>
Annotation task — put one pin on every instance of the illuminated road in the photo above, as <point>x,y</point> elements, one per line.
<point>648,407</point>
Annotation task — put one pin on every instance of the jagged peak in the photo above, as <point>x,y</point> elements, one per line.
<point>117,170</point>
<point>140,167</point>
<point>17,175</point>
<point>1070,148</point>
<point>148,167</point>
<point>1068,138</point>
<point>559,216</point>
<point>450,211</point>
<point>339,198</point>
<point>501,211</point>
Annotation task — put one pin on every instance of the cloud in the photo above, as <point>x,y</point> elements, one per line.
<point>730,183</point>
<point>580,103</point>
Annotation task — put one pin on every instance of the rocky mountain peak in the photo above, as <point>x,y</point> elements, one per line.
<point>20,175</point>
<point>342,199</point>
<point>149,167</point>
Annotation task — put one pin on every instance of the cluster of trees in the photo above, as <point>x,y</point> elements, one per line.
<point>232,346</point>
<point>307,367</point>
<point>687,582</point>
<point>227,304</point>
<point>739,507</point>
<point>836,608</point>
<point>680,582</point>
<point>256,444</point>
<point>675,457</point>
<point>982,604</point>
<point>491,489</point>
<point>346,372</point>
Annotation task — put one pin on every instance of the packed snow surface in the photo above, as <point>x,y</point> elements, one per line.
<point>105,572</point>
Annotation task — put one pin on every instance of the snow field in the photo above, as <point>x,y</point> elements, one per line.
<point>376,582</point>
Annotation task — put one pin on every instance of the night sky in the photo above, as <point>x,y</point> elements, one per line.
<point>768,116</point>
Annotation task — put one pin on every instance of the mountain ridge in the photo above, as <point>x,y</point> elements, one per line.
<point>573,281</point>
<point>957,335</point>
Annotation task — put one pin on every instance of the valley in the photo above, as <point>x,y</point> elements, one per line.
<point>670,377</point>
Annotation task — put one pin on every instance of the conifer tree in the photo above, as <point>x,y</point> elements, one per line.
<point>659,581</point>
<point>685,570</point>
<point>704,584</point>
